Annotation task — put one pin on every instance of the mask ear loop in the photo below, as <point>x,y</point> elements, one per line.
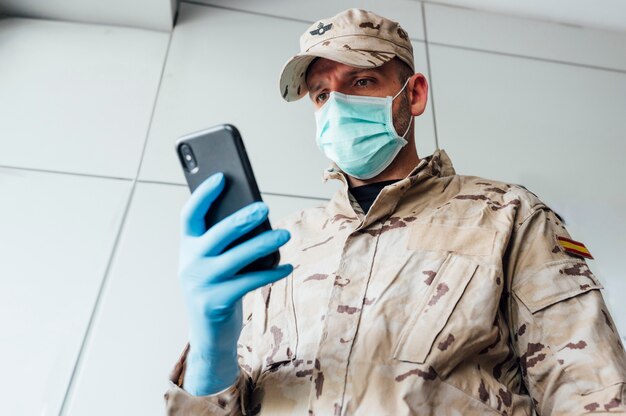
<point>394,97</point>
<point>408,127</point>
<point>401,89</point>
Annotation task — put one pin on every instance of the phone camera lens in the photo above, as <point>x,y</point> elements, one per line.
<point>187,157</point>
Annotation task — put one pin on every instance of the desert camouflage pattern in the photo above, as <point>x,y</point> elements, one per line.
<point>451,296</point>
<point>353,37</point>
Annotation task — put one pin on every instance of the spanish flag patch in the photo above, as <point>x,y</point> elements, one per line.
<point>574,247</point>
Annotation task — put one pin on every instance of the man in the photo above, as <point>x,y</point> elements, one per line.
<point>413,291</point>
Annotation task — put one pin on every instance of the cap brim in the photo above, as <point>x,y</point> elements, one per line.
<point>293,75</point>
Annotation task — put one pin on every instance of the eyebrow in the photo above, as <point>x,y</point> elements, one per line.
<point>349,74</point>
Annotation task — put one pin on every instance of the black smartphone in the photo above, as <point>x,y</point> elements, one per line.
<point>221,149</point>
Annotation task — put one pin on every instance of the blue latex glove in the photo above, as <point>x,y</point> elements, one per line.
<point>211,287</point>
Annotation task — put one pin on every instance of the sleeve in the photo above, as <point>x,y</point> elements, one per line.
<point>179,402</point>
<point>243,394</point>
<point>233,400</point>
<point>570,354</point>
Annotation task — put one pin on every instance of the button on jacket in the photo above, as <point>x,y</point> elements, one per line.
<point>452,296</point>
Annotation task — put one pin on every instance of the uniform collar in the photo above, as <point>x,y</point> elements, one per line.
<point>436,165</point>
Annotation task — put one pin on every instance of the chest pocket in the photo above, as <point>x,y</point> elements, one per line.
<point>455,319</point>
<point>270,336</point>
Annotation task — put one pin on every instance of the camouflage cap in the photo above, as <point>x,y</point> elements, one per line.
<point>353,37</point>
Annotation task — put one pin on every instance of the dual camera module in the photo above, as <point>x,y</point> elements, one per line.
<point>187,157</point>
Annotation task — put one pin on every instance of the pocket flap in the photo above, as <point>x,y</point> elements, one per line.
<point>555,282</point>
<point>473,241</point>
<point>274,321</point>
<point>417,337</point>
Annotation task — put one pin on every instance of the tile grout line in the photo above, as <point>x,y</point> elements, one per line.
<point>234,9</point>
<point>544,19</point>
<point>60,172</point>
<point>88,334</point>
<point>430,75</point>
<point>422,3</point>
<point>106,177</point>
<point>262,192</point>
<point>71,385</point>
<point>82,22</point>
<point>315,198</point>
<point>435,3</point>
<point>252,12</point>
<point>529,57</point>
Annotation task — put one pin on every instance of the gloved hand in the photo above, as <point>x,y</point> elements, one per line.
<point>211,287</point>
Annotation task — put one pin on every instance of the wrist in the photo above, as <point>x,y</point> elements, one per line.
<point>201,383</point>
<point>208,356</point>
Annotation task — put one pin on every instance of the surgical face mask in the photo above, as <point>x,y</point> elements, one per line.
<point>356,132</point>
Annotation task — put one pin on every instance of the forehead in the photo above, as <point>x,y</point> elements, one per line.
<point>323,68</point>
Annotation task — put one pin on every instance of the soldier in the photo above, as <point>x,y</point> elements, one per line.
<point>415,290</point>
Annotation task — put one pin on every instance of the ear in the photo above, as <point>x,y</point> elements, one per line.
<point>418,93</point>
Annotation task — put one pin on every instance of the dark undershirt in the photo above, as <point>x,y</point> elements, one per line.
<point>366,194</point>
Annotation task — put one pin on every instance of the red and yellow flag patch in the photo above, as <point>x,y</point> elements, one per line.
<point>574,247</point>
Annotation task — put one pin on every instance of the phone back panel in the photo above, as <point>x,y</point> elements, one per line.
<point>221,149</point>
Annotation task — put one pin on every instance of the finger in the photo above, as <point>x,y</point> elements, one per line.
<point>196,207</point>
<point>232,227</point>
<point>245,253</point>
<point>242,284</point>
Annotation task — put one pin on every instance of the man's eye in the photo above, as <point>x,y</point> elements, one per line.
<point>321,97</point>
<point>362,82</point>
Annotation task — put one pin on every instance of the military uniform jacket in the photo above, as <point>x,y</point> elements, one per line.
<point>452,296</point>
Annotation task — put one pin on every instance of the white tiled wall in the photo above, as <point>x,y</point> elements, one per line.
<point>57,234</point>
<point>144,14</point>
<point>398,10</point>
<point>511,35</point>
<point>90,312</point>
<point>76,97</point>
<point>208,81</point>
